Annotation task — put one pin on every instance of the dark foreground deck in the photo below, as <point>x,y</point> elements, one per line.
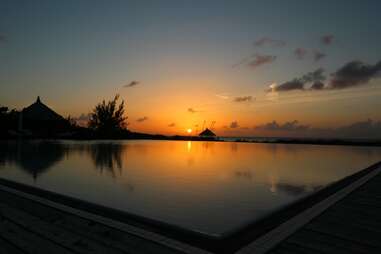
<point>30,227</point>
<point>351,225</point>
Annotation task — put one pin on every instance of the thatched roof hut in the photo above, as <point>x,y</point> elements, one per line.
<point>207,133</point>
<point>39,111</point>
<point>41,120</point>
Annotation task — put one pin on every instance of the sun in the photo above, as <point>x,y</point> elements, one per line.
<point>189,131</point>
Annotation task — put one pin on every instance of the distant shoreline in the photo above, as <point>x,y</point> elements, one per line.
<point>262,140</point>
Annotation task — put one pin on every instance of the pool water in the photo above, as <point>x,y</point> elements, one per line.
<point>213,188</point>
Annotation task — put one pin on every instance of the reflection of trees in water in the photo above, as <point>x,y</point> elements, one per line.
<point>107,156</point>
<point>274,186</point>
<point>37,157</point>
<point>246,174</point>
<point>33,157</point>
<point>234,147</point>
<point>296,190</point>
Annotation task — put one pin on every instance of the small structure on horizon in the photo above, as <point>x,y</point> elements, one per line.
<point>207,133</point>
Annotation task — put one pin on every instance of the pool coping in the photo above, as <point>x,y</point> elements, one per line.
<point>255,237</point>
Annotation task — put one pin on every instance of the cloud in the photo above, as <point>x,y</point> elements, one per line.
<point>244,99</point>
<point>234,125</point>
<point>300,53</point>
<point>327,39</point>
<point>314,78</point>
<point>360,129</point>
<point>318,55</point>
<point>287,126</point>
<point>192,110</point>
<point>318,85</point>
<point>171,125</point>
<point>354,73</point>
<point>132,83</point>
<point>294,84</point>
<point>317,75</point>
<point>223,96</point>
<point>82,119</point>
<point>142,119</point>
<point>242,62</point>
<point>259,60</point>
<point>368,128</point>
<point>269,41</point>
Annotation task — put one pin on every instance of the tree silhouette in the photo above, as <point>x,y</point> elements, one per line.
<point>108,117</point>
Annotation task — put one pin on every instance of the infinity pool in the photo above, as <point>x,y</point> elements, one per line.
<point>213,188</point>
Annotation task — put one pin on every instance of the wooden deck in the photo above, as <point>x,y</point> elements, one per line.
<point>29,227</point>
<point>352,225</point>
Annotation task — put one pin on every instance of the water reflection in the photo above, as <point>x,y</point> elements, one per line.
<point>107,156</point>
<point>34,158</point>
<point>37,157</point>
<point>295,190</point>
<point>182,182</point>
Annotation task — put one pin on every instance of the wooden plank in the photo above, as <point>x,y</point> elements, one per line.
<point>92,230</point>
<point>292,248</point>
<point>269,240</point>
<point>28,241</point>
<point>352,225</point>
<point>346,231</point>
<point>160,239</point>
<point>329,243</point>
<point>7,248</point>
<point>55,234</point>
<point>343,209</point>
<point>352,219</point>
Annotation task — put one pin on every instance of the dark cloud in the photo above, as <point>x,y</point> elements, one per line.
<point>354,73</point>
<point>368,128</point>
<point>327,39</point>
<point>234,125</point>
<point>300,53</point>
<point>295,84</point>
<point>318,85</point>
<point>171,125</point>
<point>318,55</point>
<point>314,78</point>
<point>192,110</point>
<point>132,83</point>
<point>142,119</point>
<point>244,99</point>
<point>317,75</point>
<point>269,41</point>
<point>360,129</point>
<point>259,60</point>
<point>287,126</point>
<point>244,61</point>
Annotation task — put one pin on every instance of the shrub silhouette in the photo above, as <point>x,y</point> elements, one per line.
<point>108,117</point>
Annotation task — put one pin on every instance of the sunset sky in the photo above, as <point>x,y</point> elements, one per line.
<point>269,68</point>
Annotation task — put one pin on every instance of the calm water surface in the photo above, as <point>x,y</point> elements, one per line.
<point>209,187</point>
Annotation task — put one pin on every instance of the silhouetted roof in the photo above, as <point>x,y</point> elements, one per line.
<point>207,133</point>
<point>39,111</point>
